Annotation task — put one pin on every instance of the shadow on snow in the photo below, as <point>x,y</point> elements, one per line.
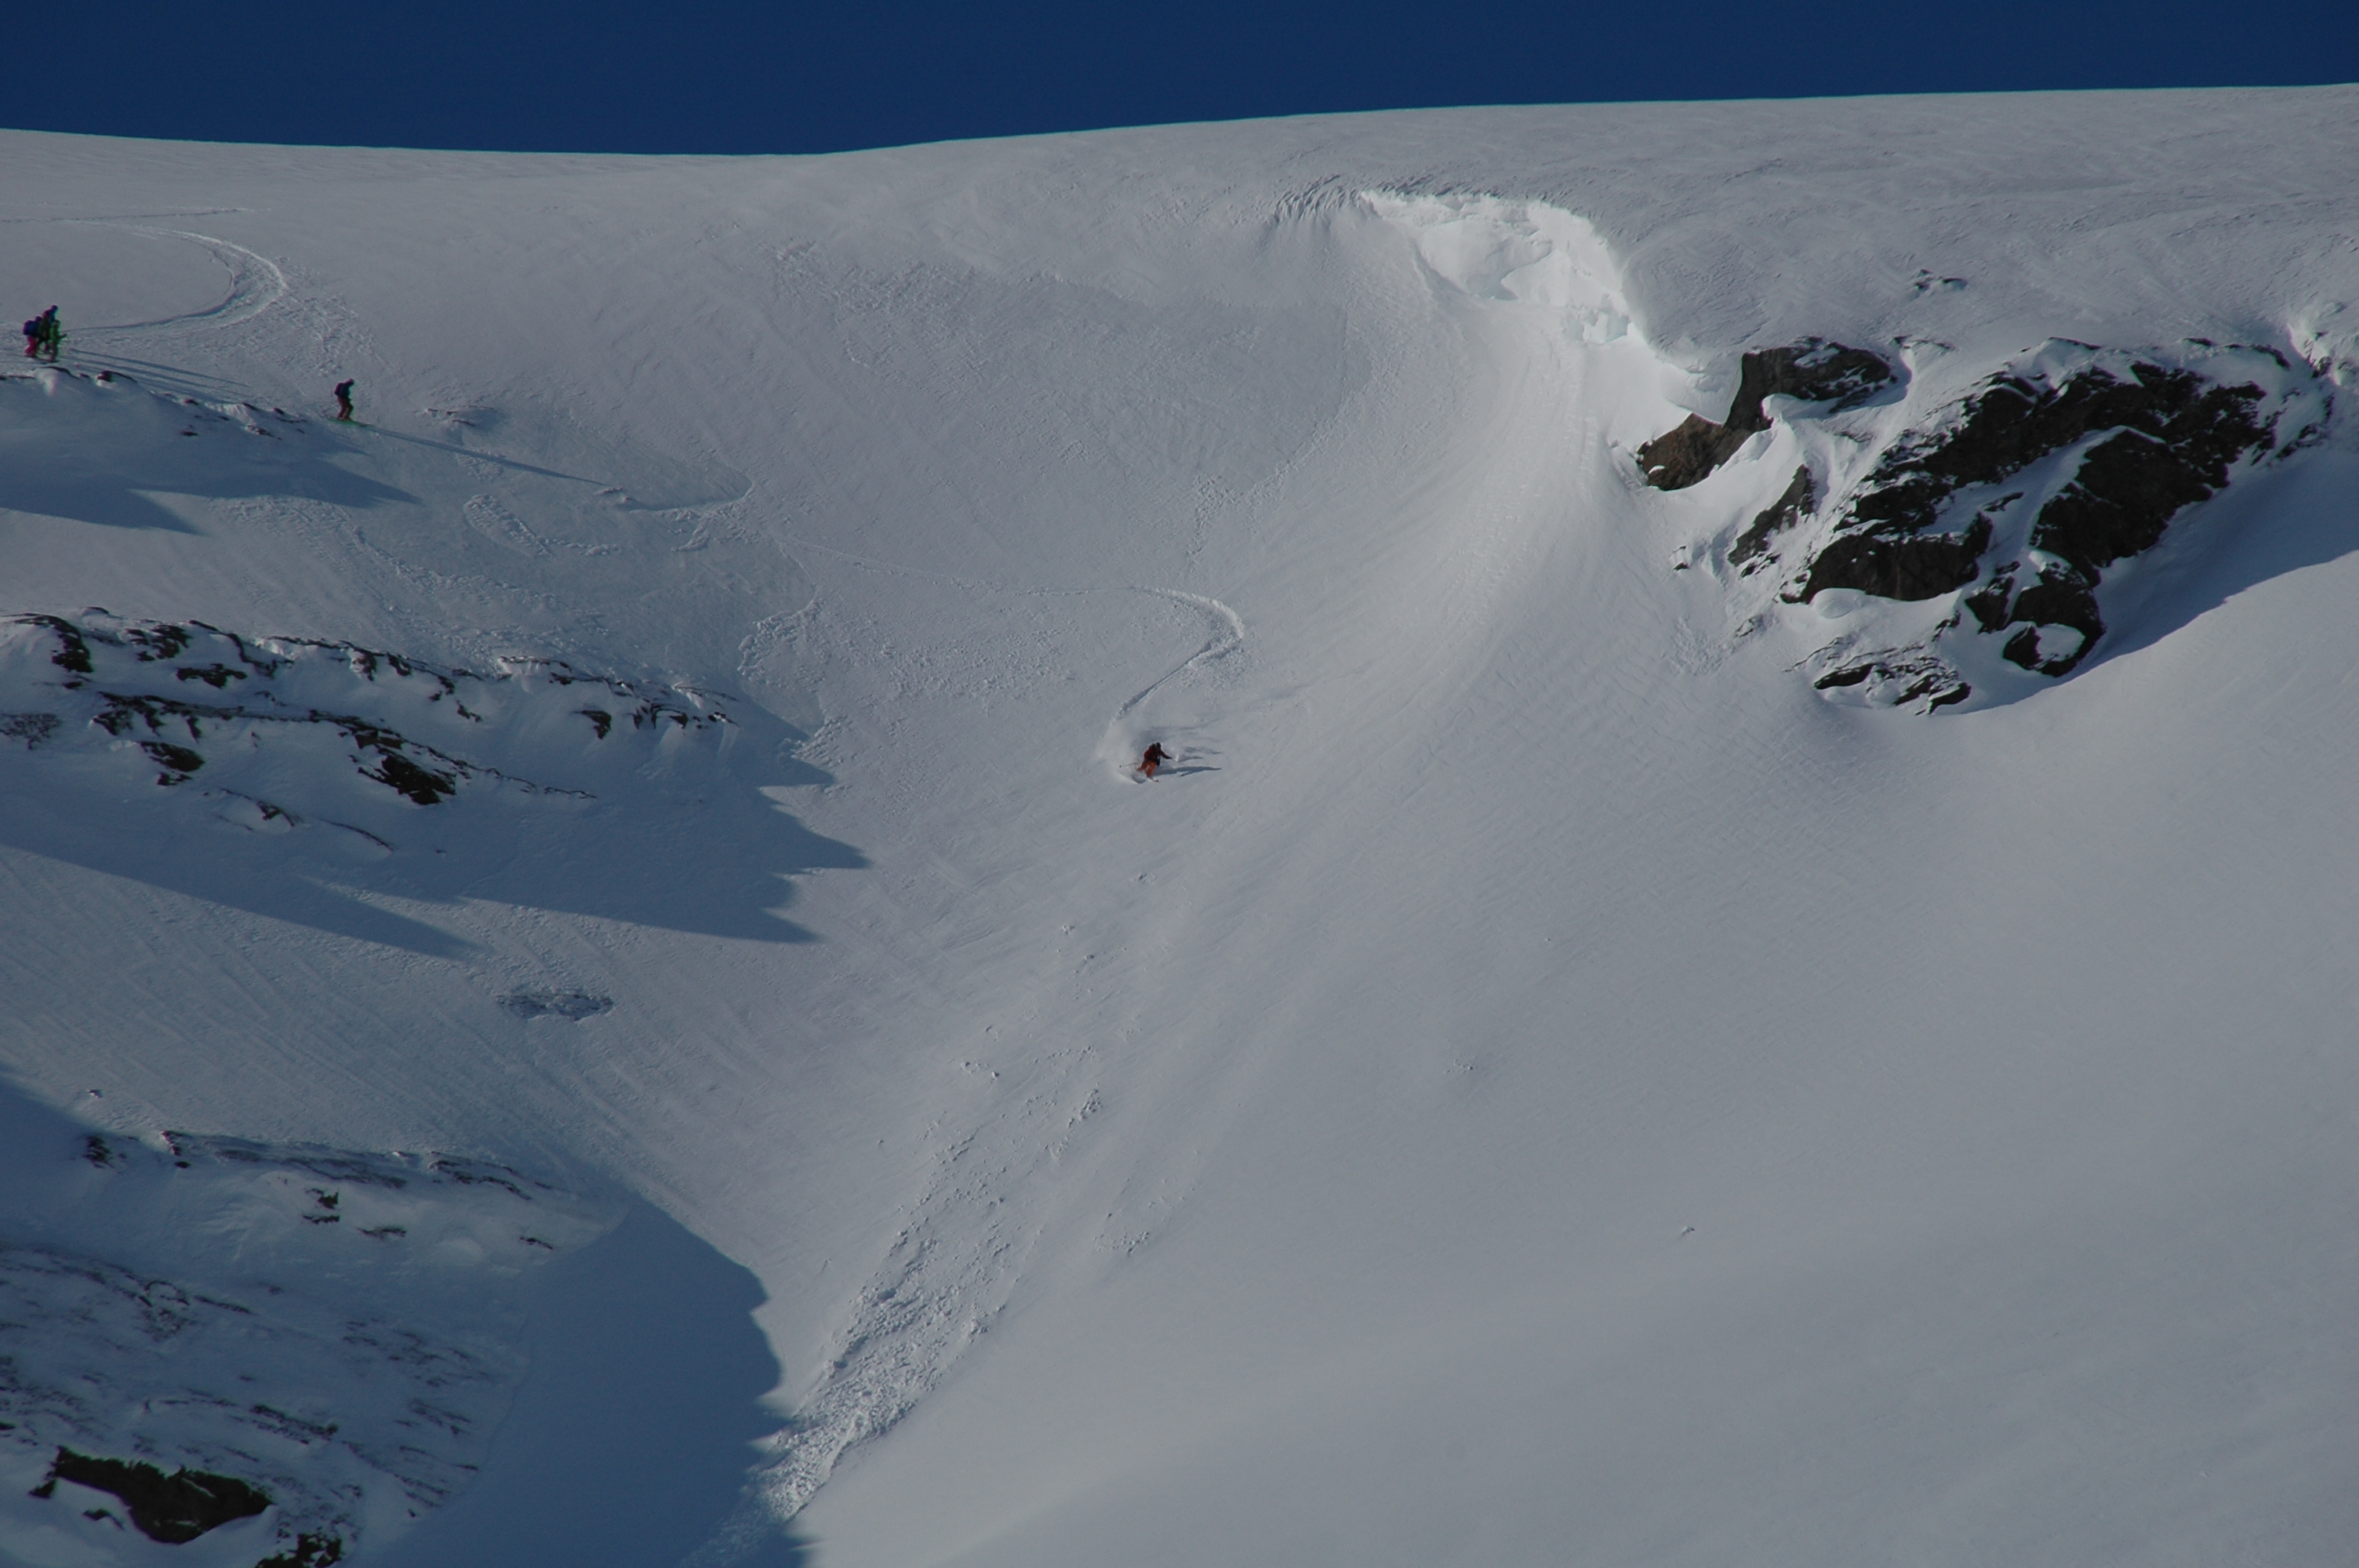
<point>632,1439</point>
<point>713,855</point>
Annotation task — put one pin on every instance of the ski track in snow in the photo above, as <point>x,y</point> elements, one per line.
<point>1228,634</point>
<point>255,282</point>
<point>1227,638</point>
<point>255,285</point>
<point>953,1267</point>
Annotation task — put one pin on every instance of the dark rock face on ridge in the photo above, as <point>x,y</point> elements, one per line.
<point>1812,371</point>
<point>2005,503</point>
<point>2176,436</point>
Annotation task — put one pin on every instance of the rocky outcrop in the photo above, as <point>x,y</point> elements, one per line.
<point>2174,438</point>
<point>173,1508</point>
<point>249,713</point>
<point>1909,566</point>
<point>1812,371</point>
<point>2008,501</point>
<point>1893,678</point>
<point>1751,549</point>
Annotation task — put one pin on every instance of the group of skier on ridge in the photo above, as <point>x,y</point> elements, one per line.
<point>42,336</point>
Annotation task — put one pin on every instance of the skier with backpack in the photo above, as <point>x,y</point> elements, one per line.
<point>344,401</point>
<point>43,333</point>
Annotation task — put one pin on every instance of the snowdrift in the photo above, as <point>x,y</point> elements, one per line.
<point>1743,953</point>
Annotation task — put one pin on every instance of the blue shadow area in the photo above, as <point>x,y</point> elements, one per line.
<point>236,871</point>
<point>629,1443</point>
<point>74,446</point>
<point>713,855</point>
<point>2302,514</point>
<point>631,1439</point>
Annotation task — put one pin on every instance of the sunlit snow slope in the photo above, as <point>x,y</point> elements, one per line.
<point>1786,1000</point>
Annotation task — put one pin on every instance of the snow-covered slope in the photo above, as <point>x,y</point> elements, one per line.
<point>1747,952</point>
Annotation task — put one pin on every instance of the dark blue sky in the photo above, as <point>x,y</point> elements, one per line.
<point>731,76</point>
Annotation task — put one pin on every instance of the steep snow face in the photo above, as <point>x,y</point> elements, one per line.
<point>1560,1054</point>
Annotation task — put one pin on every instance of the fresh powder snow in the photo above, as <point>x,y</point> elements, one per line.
<point>1742,949</point>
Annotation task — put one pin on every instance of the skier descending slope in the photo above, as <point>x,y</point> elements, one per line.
<point>1155,757</point>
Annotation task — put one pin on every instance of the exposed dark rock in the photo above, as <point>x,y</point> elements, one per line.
<point>178,762</point>
<point>2013,422</point>
<point>559,1004</point>
<point>403,776</point>
<point>1902,676</point>
<point>308,1552</point>
<point>123,713</point>
<point>173,1508</point>
<point>174,731</point>
<point>2125,494</point>
<point>73,651</point>
<point>158,642</point>
<point>1988,603</point>
<point>1812,371</point>
<point>2166,439</point>
<point>30,727</point>
<point>333,1166</point>
<point>1923,566</point>
<point>1688,451</point>
<point>1801,496</point>
<point>2062,597</point>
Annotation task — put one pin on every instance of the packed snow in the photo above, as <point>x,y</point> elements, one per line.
<point>1740,947</point>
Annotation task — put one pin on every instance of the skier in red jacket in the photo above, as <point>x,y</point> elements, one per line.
<point>1155,758</point>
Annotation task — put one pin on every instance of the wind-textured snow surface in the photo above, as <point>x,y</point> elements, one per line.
<point>1770,987</point>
